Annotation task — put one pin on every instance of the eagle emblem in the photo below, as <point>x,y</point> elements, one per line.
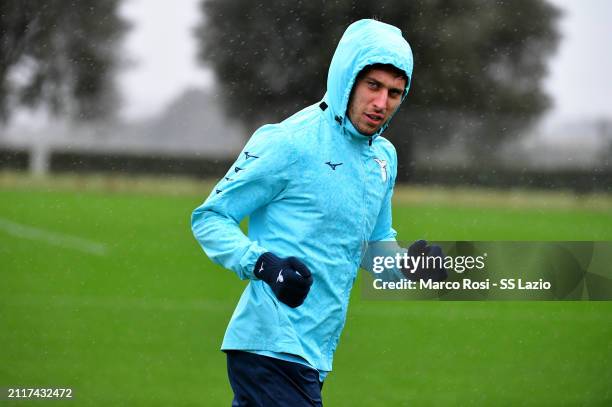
<point>383,168</point>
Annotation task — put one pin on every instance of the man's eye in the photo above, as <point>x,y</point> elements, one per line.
<point>373,85</point>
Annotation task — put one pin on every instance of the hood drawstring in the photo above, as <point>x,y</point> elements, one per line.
<point>370,141</point>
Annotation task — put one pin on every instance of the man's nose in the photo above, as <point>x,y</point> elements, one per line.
<point>380,101</point>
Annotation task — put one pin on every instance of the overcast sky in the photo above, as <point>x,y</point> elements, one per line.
<point>163,54</point>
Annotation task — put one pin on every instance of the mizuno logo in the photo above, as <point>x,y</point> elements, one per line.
<point>333,166</point>
<point>247,155</point>
<point>238,169</point>
<point>228,179</point>
<point>280,278</point>
<point>218,191</point>
<point>383,168</point>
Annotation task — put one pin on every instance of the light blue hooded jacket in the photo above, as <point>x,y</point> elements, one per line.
<point>315,188</point>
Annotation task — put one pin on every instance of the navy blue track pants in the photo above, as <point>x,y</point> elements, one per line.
<point>261,381</point>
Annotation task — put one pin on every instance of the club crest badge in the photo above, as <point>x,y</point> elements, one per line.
<point>383,168</point>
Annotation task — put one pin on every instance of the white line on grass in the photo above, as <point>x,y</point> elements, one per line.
<point>53,238</point>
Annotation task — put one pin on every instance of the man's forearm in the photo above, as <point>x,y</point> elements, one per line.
<point>224,242</point>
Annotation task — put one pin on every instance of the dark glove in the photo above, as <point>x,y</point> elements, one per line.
<point>436,272</point>
<point>289,278</point>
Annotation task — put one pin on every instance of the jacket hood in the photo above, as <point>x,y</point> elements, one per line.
<point>365,42</point>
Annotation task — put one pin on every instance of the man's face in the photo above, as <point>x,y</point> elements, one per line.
<point>376,96</point>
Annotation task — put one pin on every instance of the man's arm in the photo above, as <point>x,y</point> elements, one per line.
<point>258,177</point>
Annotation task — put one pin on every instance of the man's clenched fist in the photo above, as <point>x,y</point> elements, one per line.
<point>289,278</point>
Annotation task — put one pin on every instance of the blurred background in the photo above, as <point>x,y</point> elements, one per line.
<point>504,93</point>
<point>117,117</point>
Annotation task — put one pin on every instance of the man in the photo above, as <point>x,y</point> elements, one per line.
<point>316,187</point>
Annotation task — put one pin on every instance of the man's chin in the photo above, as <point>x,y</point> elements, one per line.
<point>368,132</point>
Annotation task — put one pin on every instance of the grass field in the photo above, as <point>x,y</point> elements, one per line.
<point>104,290</point>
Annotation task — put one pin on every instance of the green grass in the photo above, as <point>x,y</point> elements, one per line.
<point>141,325</point>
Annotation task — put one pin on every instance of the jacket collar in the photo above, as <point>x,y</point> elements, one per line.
<point>356,134</point>
<point>346,127</point>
